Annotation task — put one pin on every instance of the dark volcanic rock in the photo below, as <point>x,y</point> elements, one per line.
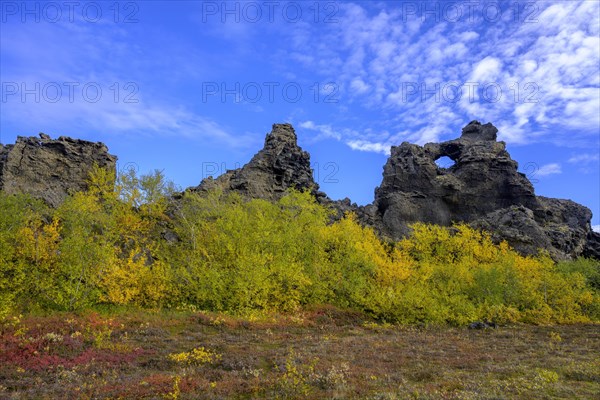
<point>566,223</point>
<point>592,248</point>
<point>279,166</point>
<point>483,179</point>
<point>482,325</point>
<point>517,226</point>
<point>50,169</point>
<point>483,188</point>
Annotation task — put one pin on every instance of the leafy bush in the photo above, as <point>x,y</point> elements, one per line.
<point>240,256</point>
<point>197,356</point>
<point>16,213</point>
<point>587,267</point>
<point>108,246</point>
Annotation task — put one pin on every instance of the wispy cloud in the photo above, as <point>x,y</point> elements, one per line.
<point>486,70</point>
<point>127,93</point>
<point>367,140</point>
<point>363,145</point>
<point>324,131</point>
<point>535,79</point>
<point>584,159</point>
<point>135,119</point>
<point>549,169</point>
<point>586,163</point>
<point>418,78</point>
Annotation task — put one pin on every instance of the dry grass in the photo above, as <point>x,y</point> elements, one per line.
<point>322,353</point>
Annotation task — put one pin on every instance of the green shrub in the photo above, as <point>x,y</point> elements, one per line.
<point>108,246</point>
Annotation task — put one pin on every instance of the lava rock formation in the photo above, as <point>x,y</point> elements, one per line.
<point>483,188</point>
<point>50,169</point>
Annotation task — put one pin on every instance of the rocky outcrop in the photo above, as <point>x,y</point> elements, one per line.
<point>483,188</point>
<point>50,169</point>
<point>483,179</point>
<point>592,248</point>
<point>279,166</point>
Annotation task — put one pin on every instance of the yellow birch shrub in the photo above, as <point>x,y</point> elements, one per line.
<point>247,255</point>
<point>16,212</point>
<point>468,277</point>
<point>364,271</point>
<point>137,205</point>
<point>85,251</point>
<point>107,245</point>
<point>38,249</point>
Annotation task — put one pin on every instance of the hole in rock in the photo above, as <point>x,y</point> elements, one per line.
<point>445,162</point>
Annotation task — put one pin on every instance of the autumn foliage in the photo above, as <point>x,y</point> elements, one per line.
<point>127,242</point>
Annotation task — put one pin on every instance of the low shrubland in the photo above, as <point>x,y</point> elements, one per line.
<point>318,353</point>
<point>130,243</point>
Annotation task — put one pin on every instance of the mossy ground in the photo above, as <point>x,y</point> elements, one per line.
<point>321,353</point>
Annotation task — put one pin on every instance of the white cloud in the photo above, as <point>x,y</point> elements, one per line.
<point>549,169</point>
<point>363,145</point>
<point>584,159</point>
<point>596,228</point>
<point>586,163</point>
<point>546,72</point>
<point>512,132</point>
<point>487,70</point>
<point>307,125</point>
<point>359,86</point>
<point>367,140</point>
<point>468,36</point>
<point>324,131</point>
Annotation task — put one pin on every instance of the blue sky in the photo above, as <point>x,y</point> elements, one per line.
<point>192,87</point>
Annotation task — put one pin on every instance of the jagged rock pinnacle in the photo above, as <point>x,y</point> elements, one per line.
<point>283,133</point>
<point>279,166</point>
